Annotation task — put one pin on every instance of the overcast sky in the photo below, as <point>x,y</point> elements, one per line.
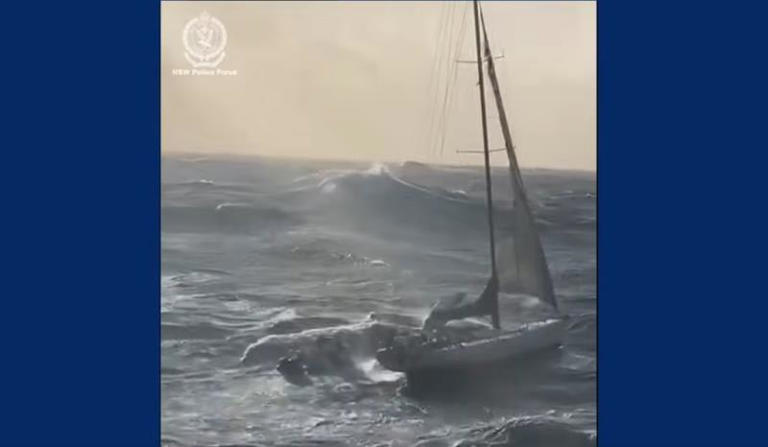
<point>366,80</point>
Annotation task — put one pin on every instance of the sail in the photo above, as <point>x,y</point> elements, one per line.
<point>518,264</point>
<point>521,264</point>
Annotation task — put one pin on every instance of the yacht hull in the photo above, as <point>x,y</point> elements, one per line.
<point>493,346</point>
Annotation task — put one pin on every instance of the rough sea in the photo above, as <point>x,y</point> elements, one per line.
<point>283,255</point>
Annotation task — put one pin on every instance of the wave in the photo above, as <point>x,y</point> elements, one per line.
<point>203,184</point>
<point>170,331</point>
<point>424,196</point>
<point>380,199</point>
<point>530,430</point>
<point>379,180</point>
<point>357,339</point>
<point>301,324</point>
<point>225,218</point>
<point>346,351</point>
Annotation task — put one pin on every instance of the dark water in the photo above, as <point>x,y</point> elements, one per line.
<point>283,255</point>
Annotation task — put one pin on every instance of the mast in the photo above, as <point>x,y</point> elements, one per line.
<point>530,273</point>
<point>491,291</point>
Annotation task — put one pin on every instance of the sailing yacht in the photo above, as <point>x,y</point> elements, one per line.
<point>518,265</point>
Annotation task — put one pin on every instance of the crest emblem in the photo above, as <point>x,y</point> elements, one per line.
<point>204,39</point>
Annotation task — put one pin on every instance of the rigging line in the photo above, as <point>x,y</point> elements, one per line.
<point>447,71</point>
<point>432,81</point>
<point>432,93</point>
<point>447,38</point>
<point>499,69</point>
<point>442,61</point>
<point>433,88</point>
<point>451,90</point>
<point>442,77</point>
<point>451,51</point>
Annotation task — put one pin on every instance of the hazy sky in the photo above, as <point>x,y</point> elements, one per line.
<point>366,80</point>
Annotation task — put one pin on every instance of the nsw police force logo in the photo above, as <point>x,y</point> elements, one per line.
<point>204,40</point>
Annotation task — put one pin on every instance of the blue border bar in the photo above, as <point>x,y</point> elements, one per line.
<point>80,223</point>
<point>681,251</point>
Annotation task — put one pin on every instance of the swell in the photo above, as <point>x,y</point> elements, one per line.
<point>225,218</point>
<point>374,199</point>
<point>530,431</point>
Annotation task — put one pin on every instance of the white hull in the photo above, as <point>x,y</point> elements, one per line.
<point>495,346</point>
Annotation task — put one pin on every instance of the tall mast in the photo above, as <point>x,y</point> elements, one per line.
<point>490,296</point>
<point>488,193</point>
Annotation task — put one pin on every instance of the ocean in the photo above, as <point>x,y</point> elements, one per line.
<point>280,254</point>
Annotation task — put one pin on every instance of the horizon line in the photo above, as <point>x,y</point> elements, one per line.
<point>224,155</point>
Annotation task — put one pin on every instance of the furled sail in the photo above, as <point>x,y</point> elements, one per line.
<point>521,264</point>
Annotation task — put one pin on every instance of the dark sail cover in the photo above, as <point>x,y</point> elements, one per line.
<point>460,306</point>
